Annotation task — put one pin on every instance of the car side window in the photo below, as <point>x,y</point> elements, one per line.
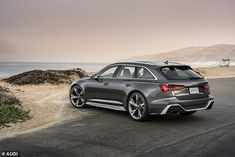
<point>126,72</point>
<point>143,73</point>
<point>109,72</point>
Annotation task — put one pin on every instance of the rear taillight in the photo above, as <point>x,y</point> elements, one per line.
<point>167,87</point>
<point>207,87</point>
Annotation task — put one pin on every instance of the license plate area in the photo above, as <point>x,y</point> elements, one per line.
<point>194,90</point>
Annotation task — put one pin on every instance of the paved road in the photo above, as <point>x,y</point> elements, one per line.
<point>112,133</point>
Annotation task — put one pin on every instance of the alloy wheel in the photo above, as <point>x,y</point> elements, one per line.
<point>76,97</point>
<point>136,106</point>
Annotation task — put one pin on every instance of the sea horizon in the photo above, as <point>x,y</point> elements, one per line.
<point>8,69</point>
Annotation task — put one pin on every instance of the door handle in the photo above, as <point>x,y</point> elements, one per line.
<point>128,84</point>
<point>106,83</point>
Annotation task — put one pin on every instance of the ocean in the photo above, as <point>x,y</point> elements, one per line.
<point>8,69</point>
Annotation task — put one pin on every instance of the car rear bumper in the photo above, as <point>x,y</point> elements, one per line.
<point>167,105</point>
<point>178,107</point>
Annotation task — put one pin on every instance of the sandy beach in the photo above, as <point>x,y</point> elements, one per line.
<point>49,104</point>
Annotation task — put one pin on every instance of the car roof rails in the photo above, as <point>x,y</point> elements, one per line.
<point>167,62</point>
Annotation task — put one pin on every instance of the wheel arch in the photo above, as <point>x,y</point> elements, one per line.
<point>73,85</point>
<point>79,83</point>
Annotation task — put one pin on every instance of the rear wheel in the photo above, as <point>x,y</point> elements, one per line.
<point>188,113</point>
<point>76,97</point>
<point>137,107</point>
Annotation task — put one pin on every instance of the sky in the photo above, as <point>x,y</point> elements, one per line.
<point>109,30</point>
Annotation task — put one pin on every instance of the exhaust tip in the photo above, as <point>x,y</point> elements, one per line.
<point>210,105</point>
<point>174,112</point>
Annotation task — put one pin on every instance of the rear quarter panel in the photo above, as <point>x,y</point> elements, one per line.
<point>149,88</point>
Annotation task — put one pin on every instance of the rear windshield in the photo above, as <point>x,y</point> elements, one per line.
<point>180,73</point>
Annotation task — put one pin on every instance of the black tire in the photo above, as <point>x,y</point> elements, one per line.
<point>137,106</point>
<point>188,113</point>
<point>76,97</point>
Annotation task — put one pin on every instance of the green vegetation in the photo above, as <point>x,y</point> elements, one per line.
<point>12,114</point>
<point>10,109</point>
<point>36,77</point>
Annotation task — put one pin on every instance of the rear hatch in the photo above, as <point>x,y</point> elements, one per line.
<point>184,83</point>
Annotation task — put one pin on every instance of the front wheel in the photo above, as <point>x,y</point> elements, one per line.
<point>137,107</point>
<point>76,97</point>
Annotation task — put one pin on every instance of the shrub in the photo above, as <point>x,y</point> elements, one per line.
<point>10,109</point>
<point>12,114</point>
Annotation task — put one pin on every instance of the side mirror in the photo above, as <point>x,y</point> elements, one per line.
<point>97,77</point>
<point>93,76</point>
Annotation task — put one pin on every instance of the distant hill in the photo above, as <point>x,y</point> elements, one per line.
<point>193,54</point>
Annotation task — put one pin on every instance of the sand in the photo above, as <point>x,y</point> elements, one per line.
<point>48,105</point>
<point>218,72</point>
